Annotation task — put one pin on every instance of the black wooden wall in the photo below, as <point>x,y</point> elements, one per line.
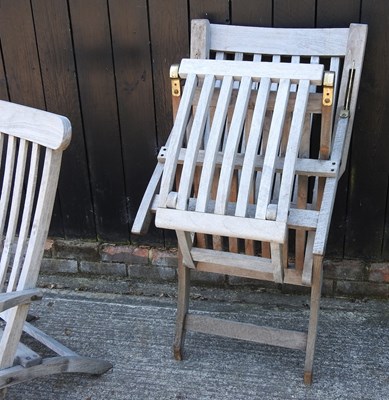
<point>104,64</point>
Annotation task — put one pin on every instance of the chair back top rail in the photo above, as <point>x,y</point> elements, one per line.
<point>38,126</point>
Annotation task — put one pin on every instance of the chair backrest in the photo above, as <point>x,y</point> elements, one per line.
<point>341,50</point>
<point>31,146</point>
<point>287,172</point>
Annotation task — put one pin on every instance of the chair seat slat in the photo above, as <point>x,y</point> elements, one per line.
<point>264,193</point>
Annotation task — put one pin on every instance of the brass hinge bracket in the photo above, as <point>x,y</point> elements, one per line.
<point>175,80</point>
<point>328,88</point>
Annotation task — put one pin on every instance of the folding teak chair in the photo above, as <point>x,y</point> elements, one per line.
<point>31,146</point>
<point>248,184</point>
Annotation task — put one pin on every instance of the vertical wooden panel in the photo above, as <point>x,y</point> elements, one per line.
<point>21,60</point>
<point>133,70</point>
<point>294,13</point>
<point>93,50</point>
<point>338,14</point>
<point>369,165</point>
<point>217,11</point>
<point>252,12</point>
<point>21,63</point>
<point>3,81</point>
<point>54,42</point>
<point>169,30</point>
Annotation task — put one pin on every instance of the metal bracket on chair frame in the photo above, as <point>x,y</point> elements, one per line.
<point>345,113</point>
<point>175,80</point>
<point>328,88</point>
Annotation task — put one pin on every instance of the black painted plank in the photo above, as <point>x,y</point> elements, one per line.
<point>169,32</point>
<point>217,11</point>
<point>134,81</point>
<point>54,41</point>
<point>20,54</point>
<point>21,63</point>
<point>338,14</point>
<point>93,51</point>
<point>252,12</point>
<point>3,81</point>
<point>367,211</point>
<point>294,13</point>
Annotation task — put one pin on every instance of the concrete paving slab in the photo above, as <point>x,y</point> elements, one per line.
<point>135,333</point>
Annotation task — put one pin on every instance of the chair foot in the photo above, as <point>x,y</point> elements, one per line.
<point>177,353</point>
<point>308,378</point>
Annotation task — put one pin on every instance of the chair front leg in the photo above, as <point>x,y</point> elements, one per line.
<point>182,307</point>
<point>317,279</point>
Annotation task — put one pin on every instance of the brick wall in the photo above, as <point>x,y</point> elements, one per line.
<point>341,278</point>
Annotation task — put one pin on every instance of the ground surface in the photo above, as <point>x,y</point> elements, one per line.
<point>135,333</point>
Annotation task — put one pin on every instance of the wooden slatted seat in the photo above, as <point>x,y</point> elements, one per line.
<point>31,146</point>
<point>250,170</point>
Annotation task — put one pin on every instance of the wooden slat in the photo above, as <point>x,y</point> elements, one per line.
<point>245,331</point>
<point>41,221</point>
<point>298,218</point>
<point>293,147</point>
<point>47,340</point>
<point>264,194</point>
<point>238,69</point>
<point>49,130</point>
<point>223,225</point>
<point>6,189</point>
<point>314,102</point>
<point>252,148</point>
<point>177,136</point>
<point>17,191</point>
<point>200,38</point>
<point>194,142</point>
<point>279,41</point>
<point>207,176</point>
<point>185,244</point>
<point>234,261</point>
<point>24,230</point>
<point>234,135</point>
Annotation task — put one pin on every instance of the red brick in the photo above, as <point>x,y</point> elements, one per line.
<point>379,272</point>
<point>125,254</point>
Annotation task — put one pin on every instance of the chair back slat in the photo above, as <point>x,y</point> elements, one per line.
<point>213,144</point>
<point>194,141</point>
<point>254,140</point>
<point>233,138</point>
<point>24,230</point>
<point>275,134</point>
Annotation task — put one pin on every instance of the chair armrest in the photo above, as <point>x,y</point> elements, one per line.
<point>12,299</point>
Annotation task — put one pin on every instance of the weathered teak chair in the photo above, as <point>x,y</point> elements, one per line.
<point>31,146</point>
<point>248,182</point>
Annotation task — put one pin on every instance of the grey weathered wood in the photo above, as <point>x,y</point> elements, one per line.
<point>239,69</point>
<point>250,332</point>
<point>54,365</point>
<point>36,140</point>
<point>251,179</point>
<point>224,225</point>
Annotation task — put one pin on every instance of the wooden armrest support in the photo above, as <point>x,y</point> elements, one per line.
<point>12,299</point>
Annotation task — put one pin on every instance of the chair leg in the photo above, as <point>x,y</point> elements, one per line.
<point>314,316</point>
<point>182,307</point>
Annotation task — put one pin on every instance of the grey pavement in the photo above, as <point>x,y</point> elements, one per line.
<point>135,331</point>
